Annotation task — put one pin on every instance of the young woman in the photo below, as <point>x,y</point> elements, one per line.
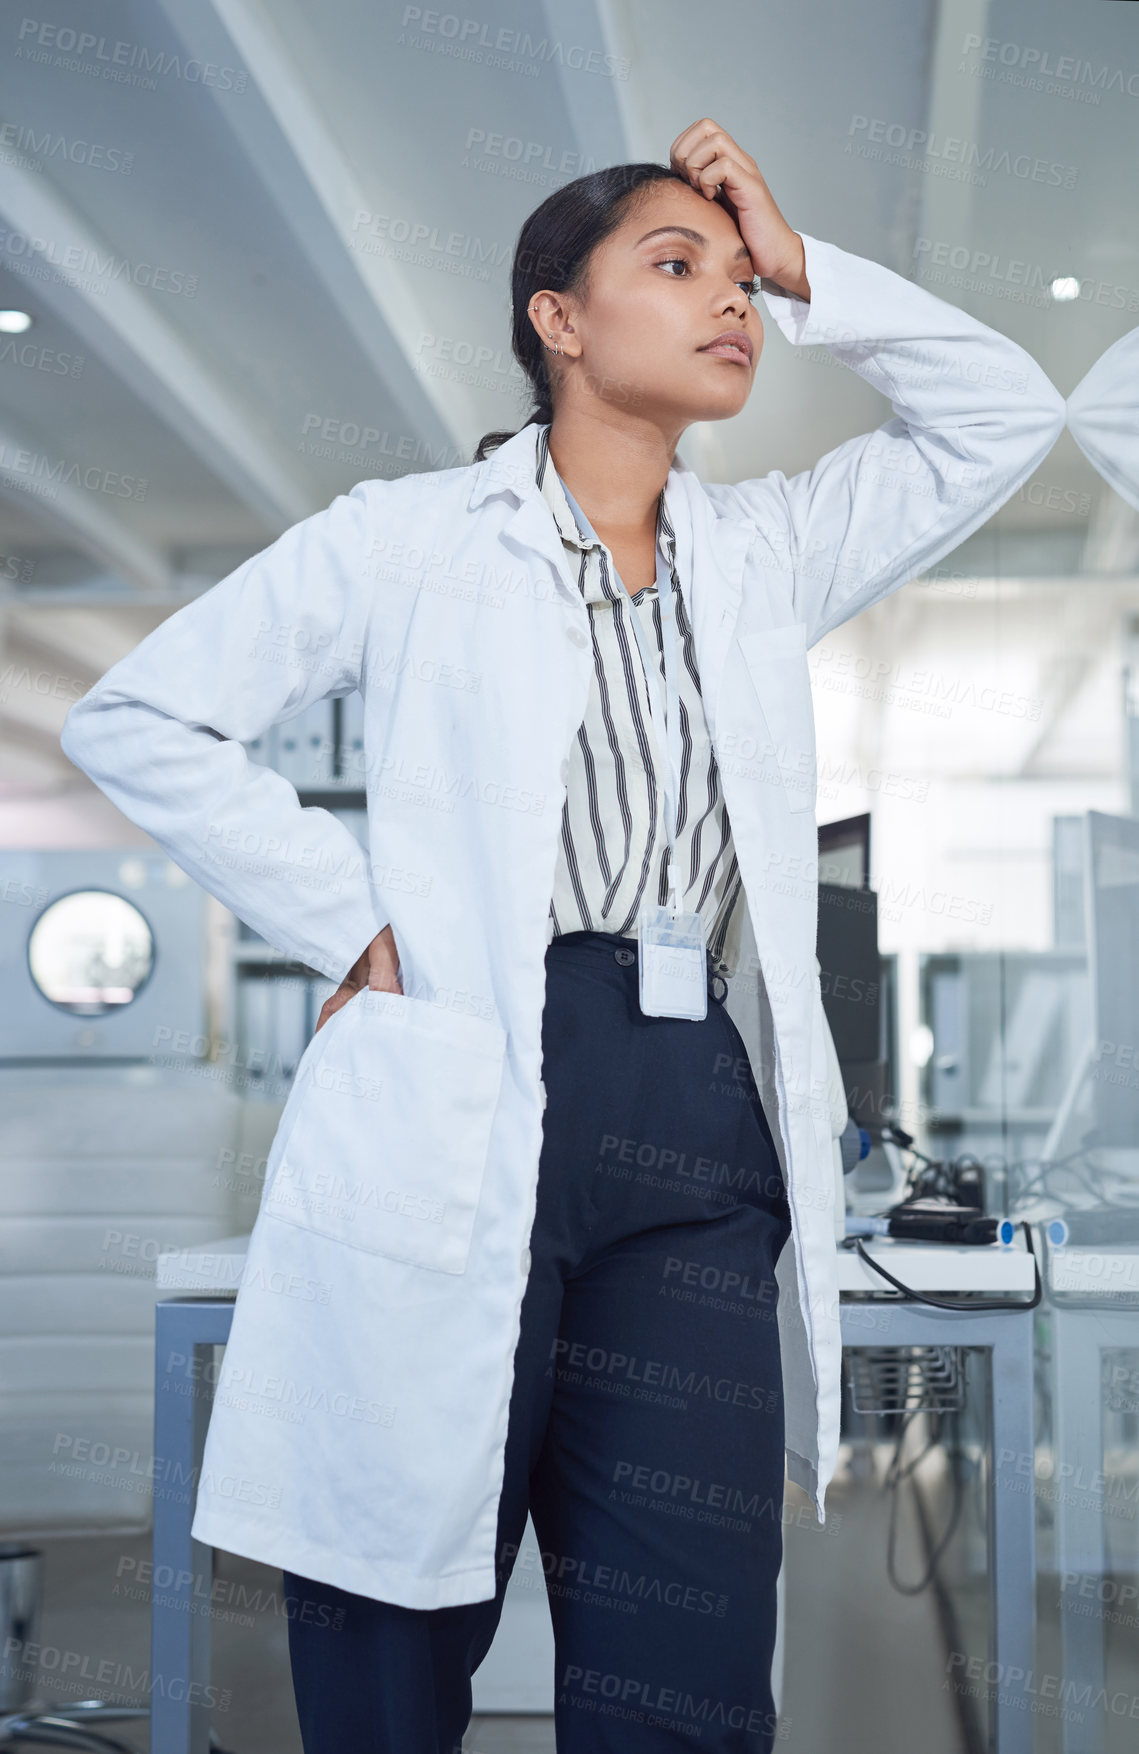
<point>524,1211</point>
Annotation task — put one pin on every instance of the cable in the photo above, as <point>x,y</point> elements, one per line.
<point>974,1740</point>
<point>895,1475</point>
<point>990,1303</point>
<point>1024,1178</point>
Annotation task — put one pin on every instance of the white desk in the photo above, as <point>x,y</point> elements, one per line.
<point>939,1267</point>
<point>210,1268</point>
<point>215,1268</point>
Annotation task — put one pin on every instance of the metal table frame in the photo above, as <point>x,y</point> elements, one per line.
<point>1007,1335</point>
<point>184,1330</point>
<point>1080,1337</point>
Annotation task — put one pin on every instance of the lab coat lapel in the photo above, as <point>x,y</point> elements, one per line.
<point>710,550</point>
<point>527,527</point>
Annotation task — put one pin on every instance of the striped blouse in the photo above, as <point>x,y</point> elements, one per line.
<point>614,844</point>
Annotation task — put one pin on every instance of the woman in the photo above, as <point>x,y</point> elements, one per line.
<point>524,1209</point>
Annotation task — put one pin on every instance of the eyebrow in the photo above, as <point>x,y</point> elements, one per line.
<point>686,231</point>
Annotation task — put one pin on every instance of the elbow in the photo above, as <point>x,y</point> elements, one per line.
<point>72,736</point>
<point>1079,416</point>
<point>1050,409</point>
<point>1033,413</point>
<point>1036,406</point>
<point>1020,430</point>
<point>84,733</point>
<point>1055,410</point>
<point>1043,419</point>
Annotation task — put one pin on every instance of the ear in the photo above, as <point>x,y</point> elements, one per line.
<point>550,318</point>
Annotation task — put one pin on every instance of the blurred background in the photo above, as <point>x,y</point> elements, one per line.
<point>253,254</point>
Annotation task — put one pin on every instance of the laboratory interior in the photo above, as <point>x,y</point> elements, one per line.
<point>253,255</point>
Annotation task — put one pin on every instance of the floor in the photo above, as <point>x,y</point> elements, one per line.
<point>865,1664</point>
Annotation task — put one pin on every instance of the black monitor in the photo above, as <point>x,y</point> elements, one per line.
<point>849,976</point>
<point>844,852</point>
<point>849,963</point>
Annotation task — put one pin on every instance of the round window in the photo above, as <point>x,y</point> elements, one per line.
<point>90,952</point>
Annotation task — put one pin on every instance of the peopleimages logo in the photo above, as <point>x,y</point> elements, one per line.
<point>500,46</point>
<point>42,258</point>
<point>950,154</point>
<point>1049,71</point>
<point>124,62</point>
<point>25,143</point>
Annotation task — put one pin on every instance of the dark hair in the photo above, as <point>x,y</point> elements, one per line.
<point>554,249</point>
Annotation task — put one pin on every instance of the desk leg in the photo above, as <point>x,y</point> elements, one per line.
<point>183,1568</point>
<point>1012,1520</point>
<point>1077,1445</point>
<point>1012,1527</point>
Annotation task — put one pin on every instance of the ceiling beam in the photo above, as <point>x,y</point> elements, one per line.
<point>286,141</point>
<point>941,208</point>
<point>150,358</point>
<point>74,513</point>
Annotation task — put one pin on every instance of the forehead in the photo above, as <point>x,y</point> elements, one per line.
<point>673,204</point>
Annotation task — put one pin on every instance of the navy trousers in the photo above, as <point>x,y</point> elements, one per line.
<point>645,1432</point>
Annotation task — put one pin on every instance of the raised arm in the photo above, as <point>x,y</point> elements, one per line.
<point>974,415</point>
<point>161,734</point>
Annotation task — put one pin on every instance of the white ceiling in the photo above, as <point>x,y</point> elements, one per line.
<point>258,265</point>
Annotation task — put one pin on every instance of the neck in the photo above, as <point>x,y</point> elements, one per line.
<point>615,472</point>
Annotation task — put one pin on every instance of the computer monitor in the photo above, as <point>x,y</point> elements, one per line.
<point>850,976</point>
<point>850,967</point>
<point>844,852</point>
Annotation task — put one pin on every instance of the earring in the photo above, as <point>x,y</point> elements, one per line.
<point>557,347</point>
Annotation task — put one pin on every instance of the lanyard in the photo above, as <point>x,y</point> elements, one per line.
<point>666,721</point>
<point>665,718</point>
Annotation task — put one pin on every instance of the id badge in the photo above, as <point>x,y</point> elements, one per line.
<point>672,964</point>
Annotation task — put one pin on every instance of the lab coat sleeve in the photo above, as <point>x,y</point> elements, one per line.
<point>973,417</point>
<point>162,732</point>
<point>1103,416</point>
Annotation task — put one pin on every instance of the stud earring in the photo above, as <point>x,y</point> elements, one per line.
<point>557,347</point>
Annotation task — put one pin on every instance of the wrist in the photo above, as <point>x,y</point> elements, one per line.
<point>791,276</point>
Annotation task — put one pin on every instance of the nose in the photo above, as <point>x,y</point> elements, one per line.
<point>736,300</point>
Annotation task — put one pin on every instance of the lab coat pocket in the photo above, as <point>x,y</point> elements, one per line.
<point>776,659</point>
<point>387,1143</point>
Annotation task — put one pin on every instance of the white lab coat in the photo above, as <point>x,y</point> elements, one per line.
<point>359,1424</point>
<point>1103,414</point>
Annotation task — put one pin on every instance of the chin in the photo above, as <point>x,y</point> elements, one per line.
<point>727,409</point>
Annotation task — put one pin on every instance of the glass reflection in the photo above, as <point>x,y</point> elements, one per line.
<point>1103,416</point>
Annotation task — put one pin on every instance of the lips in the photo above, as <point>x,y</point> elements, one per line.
<point>732,344</point>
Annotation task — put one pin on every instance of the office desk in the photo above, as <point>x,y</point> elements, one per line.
<point>205,1279</point>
